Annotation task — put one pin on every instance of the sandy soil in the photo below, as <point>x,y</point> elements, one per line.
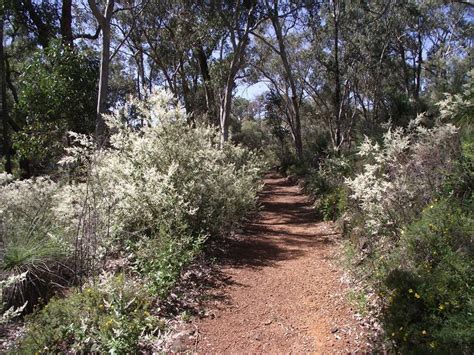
<point>285,292</point>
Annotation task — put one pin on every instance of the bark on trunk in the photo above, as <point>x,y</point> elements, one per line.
<point>66,23</point>
<point>42,28</point>
<point>103,84</point>
<point>337,81</point>
<point>225,110</point>
<point>206,77</point>
<point>296,126</point>
<point>3,96</point>
<point>104,23</point>
<point>419,67</point>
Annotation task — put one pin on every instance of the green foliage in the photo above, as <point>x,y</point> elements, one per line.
<point>28,228</point>
<point>161,259</point>
<point>326,185</point>
<point>110,316</point>
<point>430,280</point>
<point>57,94</point>
<point>333,204</point>
<point>32,241</point>
<point>21,254</point>
<point>250,135</point>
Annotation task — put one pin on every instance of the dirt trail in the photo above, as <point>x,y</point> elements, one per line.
<point>286,293</point>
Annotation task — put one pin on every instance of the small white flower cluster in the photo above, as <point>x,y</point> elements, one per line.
<point>11,312</point>
<point>403,173</point>
<point>459,107</point>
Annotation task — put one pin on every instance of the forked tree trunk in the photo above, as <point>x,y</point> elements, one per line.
<point>295,104</point>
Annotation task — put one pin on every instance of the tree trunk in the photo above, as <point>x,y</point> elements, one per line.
<point>104,22</point>
<point>337,81</point>
<point>43,29</point>
<point>3,97</point>
<point>206,77</point>
<point>225,110</point>
<point>419,65</point>
<point>296,126</point>
<point>103,84</point>
<point>66,23</point>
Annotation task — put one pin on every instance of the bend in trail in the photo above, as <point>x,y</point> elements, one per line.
<point>286,294</point>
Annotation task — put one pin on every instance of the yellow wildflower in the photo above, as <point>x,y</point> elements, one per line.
<point>441,307</point>
<point>423,332</point>
<point>410,291</point>
<point>417,295</point>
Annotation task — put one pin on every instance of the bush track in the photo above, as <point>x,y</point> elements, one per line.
<point>286,293</point>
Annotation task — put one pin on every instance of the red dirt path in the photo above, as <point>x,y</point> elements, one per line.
<point>286,293</point>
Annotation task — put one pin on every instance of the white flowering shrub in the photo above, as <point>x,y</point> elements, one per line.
<point>403,174</point>
<point>151,196</point>
<point>459,107</point>
<point>167,173</point>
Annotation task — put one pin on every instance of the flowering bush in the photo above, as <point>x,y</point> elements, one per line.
<point>403,174</point>
<point>167,174</point>
<point>416,223</point>
<point>11,312</point>
<point>150,198</point>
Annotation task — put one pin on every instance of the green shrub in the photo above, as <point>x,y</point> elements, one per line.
<point>110,316</point>
<point>326,184</point>
<point>57,93</point>
<point>160,260</point>
<point>333,204</point>
<point>430,278</point>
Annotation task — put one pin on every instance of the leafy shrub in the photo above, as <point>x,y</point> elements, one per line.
<point>458,108</point>
<point>414,220</point>
<point>326,183</point>
<point>430,279</point>
<point>161,259</point>
<point>333,204</point>
<point>110,316</point>
<point>168,174</point>
<point>57,93</point>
